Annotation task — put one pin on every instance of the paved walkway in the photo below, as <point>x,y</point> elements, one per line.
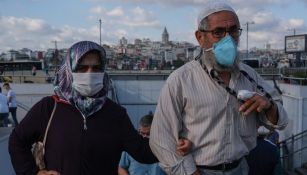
<point>5,161</point>
<point>5,132</point>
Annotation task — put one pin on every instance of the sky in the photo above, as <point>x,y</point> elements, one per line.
<point>36,24</point>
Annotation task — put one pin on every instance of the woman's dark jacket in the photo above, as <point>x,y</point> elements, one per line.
<point>70,149</point>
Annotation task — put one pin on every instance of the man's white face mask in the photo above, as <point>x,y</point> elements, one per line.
<point>88,84</point>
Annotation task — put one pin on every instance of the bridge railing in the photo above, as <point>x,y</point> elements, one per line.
<point>294,151</point>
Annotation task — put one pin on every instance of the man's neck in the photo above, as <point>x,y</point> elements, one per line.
<point>225,76</point>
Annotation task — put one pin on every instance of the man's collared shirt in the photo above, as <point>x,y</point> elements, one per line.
<point>194,106</point>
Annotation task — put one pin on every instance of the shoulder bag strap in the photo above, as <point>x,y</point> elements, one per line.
<point>49,122</point>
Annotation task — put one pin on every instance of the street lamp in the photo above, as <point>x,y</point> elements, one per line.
<point>100,31</point>
<point>247,23</point>
<point>294,31</point>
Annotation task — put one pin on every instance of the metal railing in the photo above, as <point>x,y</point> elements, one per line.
<point>293,150</point>
<point>23,106</point>
<point>283,71</point>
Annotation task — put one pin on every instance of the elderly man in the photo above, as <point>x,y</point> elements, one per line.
<point>199,102</point>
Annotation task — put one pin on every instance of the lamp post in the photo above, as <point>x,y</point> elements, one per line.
<point>294,31</point>
<point>100,32</point>
<point>247,23</point>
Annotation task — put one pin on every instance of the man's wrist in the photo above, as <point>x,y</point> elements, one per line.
<point>272,112</point>
<point>197,172</point>
<point>272,104</point>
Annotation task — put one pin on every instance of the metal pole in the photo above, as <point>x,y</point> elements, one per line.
<point>247,23</point>
<point>100,31</point>
<point>292,29</point>
<point>246,40</point>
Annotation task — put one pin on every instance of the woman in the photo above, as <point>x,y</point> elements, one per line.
<point>88,131</point>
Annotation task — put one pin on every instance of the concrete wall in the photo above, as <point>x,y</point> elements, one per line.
<point>138,97</point>
<point>295,103</point>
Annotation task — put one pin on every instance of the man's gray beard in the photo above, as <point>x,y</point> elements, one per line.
<point>209,58</point>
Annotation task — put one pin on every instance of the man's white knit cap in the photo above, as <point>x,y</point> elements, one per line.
<point>213,6</point>
<point>263,130</point>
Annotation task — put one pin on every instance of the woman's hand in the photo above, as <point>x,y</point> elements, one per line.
<point>45,172</point>
<point>183,147</point>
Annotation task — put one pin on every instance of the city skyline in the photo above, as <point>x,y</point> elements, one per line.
<point>35,24</point>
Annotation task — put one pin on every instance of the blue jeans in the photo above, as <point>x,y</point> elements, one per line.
<point>4,118</point>
<point>13,113</point>
<point>241,169</point>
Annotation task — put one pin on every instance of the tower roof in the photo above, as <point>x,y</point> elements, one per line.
<point>165,31</point>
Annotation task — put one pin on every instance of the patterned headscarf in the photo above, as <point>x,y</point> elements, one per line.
<point>63,79</point>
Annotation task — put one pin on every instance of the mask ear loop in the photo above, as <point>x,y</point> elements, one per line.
<point>207,50</point>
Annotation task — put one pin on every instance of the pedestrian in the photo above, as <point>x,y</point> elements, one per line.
<point>11,99</point>
<point>4,109</point>
<point>199,102</point>
<point>87,131</point>
<point>33,70</point>
<point>273,136</point>
<point>264,159</point>
<point>128,165</point>
<point>47,71</point>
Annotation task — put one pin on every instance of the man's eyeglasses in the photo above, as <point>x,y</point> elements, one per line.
<point>220,32</point>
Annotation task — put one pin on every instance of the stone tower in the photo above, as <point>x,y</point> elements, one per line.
<point>165,36</point>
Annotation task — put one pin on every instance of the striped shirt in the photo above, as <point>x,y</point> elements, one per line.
<point>194,106</point>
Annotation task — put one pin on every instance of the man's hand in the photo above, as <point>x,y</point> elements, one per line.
<point>255,103</point>
<point>259,103</point>
<point>45,172</point>
<point>183,147</point>
<point>197,172</point>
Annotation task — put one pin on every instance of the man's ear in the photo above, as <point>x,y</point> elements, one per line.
<point>200,38</point>
<point>198,35</point>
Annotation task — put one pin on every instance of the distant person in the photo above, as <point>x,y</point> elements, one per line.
<point>1,70</point>
<point>129,166</point>
<point>11,99</point>
<point>88,132</point>
<point>199,102</point>
<point>47,71</point>
<point>33,70</point>
<point>273,136</point>
<point>264,159</point>
<point>4,109</point>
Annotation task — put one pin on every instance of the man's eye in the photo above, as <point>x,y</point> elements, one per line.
<point>218,31</point>
<point>233,30</point>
